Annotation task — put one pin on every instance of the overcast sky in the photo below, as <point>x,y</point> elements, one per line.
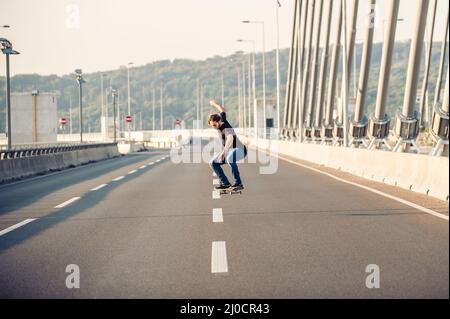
<point>57,36</point>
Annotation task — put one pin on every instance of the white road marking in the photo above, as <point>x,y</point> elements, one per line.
<point>143,166</point>
<point>216,194</point>
<point>216,181</point>
<point>7,230</point>
<point>151,163</point>
<point>217,215</point>
<point>68,202</point>
<point>118,178</point>
<point>219,257</point>
<point>400,200</point>
<point>132,172</point>
<point>98,187</point>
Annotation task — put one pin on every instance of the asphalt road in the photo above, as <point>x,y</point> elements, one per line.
<point>159,233</point>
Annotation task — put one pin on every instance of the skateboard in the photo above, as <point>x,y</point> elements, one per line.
<point>231,191</point>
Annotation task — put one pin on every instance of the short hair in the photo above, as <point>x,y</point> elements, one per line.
<point>214,117</point>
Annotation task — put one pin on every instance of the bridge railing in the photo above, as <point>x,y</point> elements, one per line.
<point>44,149</point>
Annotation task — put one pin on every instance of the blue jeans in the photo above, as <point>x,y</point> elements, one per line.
<point>234,155</point>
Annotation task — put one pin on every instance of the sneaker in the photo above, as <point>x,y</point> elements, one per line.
<point>238,186</point>
<point>223,186</point>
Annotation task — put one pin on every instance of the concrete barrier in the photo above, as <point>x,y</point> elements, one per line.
<point>417,172</point>
<point>18,168</point>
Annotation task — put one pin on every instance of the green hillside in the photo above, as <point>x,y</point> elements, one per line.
<point>179,78</point>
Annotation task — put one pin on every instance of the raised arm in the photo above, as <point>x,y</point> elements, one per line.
<point>219,107</point>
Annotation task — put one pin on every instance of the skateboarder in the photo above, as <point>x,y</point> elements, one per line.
<point>233,149</point>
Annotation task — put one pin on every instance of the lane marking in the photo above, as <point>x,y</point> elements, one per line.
<point>7,230</point>
<point>217,215</point>
<point>143,166</point>
<point>219,262</point>
<point>151,163</point>
<point>216,181</point>
<point>400,200</point>
<point>68,202</point>
<point>98,187</point>
<point>132,172</point>
<point>216,194</point>
<point>118,178</point>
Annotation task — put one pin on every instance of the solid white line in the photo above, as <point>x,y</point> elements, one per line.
<point>217,215</point>
<point>68,202</point>
<point>143,166</point>
<point>216,194</point>
<point>132,172</point>
<point>118,178</point>
<point>400,200</point>
<point>219,257</point>
<point>98,187</point>
<point>216,181</point>
<point>7,230</point>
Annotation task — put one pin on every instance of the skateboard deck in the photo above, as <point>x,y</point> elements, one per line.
<point>231,191</point>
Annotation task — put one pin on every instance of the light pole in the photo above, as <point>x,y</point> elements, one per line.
<point>263,71</point>
<point>102,75</point>
<point>7,50</point>
<point>114,95</point>
<point>253,85</point>
<point>154,106</point>
<point>129,93</point>
<point>161,92</point>
<point>80,80</point>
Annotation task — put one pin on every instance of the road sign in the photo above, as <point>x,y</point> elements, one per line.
<point>62,121</point>
<point>128,119</point>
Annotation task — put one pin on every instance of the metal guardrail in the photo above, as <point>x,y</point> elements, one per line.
<point>19,152</point>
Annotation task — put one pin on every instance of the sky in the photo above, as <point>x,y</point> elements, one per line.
<point>58,36</point>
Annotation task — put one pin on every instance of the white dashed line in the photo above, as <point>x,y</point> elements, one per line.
<point>118,178</point>
<point>7,230</point>
<point>219,257</point>
<point>70,201</point>
<point>143,166</point>
<point>132,172</point>
<point>216,194</point>
<point>151,163</point>
<point>98,187</point>
<point>217,215</point>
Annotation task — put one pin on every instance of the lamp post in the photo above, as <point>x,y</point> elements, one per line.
<point>7,50</point>
<point>129,93</point>
<point>80,80</point>
<point>114,96</point>
<point>263,71</point>
<point>253,85</point>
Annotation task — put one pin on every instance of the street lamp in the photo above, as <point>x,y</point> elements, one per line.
<point>80,80</point>
<point>129,94</point>
<point>263,70</point>
<point>253,84</point>
<point>114,95</point>
<point>7,50</point>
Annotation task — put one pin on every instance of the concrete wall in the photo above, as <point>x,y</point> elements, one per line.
<point>420,173</point>
<point>17,168</point>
